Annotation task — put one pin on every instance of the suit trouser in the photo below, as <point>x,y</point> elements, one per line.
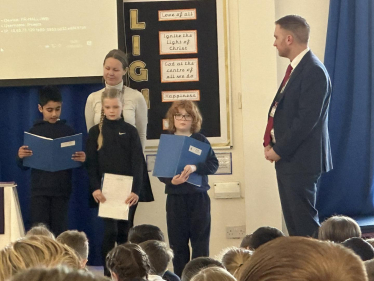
<point>298,199</point>
<point>188,218</point>
<point>116,231</point>
<point>51,211</point>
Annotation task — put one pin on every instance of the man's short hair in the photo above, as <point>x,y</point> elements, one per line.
<point>360,247</point>
<point>299,258</point>
<point>263,235</point>
<point>297,25</point>
<point>145,232</point>
<point>245,241</point>
<point>194,266</point>
<point>77,240</point>
<point>159,255</point>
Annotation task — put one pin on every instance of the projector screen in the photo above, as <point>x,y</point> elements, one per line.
<point>44,39</point>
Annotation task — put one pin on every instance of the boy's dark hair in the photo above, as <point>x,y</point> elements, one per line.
<point>129,262</point>
<point>77,240</point>
<point>145,232</point>
<point>263,235</point>
<point>159,255</point>
<point>40,229</point>
<point>297,25</point>
<point>194,266</point>
<point>360,247</point>
<point>245,242</point>
<point>49,93</point>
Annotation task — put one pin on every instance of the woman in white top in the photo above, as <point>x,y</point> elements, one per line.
<point>135,108</point>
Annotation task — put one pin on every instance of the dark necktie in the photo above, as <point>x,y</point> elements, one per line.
<point>269,126</point>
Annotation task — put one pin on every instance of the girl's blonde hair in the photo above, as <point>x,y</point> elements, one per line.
<point>213,273</point>
<point>107,94</point>
<point>233,258</point>
<point>191,109</point>
<point>35,251</point>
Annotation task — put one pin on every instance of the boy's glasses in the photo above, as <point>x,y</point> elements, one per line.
<point>180,116</point>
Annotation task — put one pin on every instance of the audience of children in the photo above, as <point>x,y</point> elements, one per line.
<point>283,258</point>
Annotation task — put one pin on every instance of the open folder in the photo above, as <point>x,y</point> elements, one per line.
<point>175,152</point>
<point>116,189</point>
<point>52,154</point>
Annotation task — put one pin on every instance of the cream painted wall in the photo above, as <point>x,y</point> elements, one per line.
<point>254,70</point>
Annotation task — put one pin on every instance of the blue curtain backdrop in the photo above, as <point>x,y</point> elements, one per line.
<point>348,189</point>
<point>18,107</point>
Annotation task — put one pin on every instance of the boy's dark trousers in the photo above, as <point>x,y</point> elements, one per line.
<point>188,218</point>
<point>116,231</point>
<point>51,211</point>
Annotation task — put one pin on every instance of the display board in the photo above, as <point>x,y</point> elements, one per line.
<point>178,51</point>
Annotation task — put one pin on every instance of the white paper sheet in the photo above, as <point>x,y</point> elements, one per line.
<point>116,189</point>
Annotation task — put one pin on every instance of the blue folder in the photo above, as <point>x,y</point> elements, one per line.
<point>175,152</point>
<point>52,154</point>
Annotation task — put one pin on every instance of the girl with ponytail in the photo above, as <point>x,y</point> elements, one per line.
<point>114,147</point>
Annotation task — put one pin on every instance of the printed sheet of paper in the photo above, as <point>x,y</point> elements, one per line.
<point>116,189</point>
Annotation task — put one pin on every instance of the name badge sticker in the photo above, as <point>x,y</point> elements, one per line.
<point>67,144</point>
<point>195,150</point>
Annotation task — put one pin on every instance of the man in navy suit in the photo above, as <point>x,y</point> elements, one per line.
<point>296,136</point>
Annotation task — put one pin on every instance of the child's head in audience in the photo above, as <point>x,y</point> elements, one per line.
<point>145,232</point>
<point>50,103</point>
<point>77,240</point>
<point>184,111</point>
<point>234,258</point>
<point>128,262</point>
<point>263,235</point>
<point>60,273</point>
<point>338,229</point>
<point>35,251</point>
<point>360,247</point>
<point>194,266</point>
<point>40,229</point>
<point>213,273</point>
<point>159,256</point>
<point>300,258</point>
<point>245,242</point>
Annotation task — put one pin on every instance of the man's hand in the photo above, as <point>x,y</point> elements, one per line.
<point>24,151</point>
<point>271,155</point>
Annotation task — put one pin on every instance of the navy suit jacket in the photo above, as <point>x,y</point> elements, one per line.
<point>301,120</point>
